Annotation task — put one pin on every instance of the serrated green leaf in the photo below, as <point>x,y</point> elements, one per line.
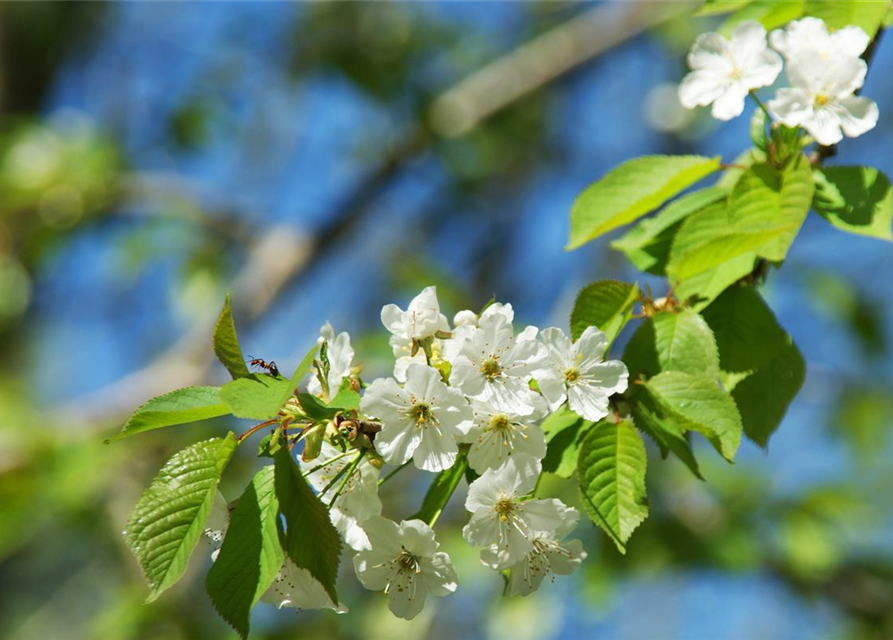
<point>259,396</point>
<point>631,190</point>
<point>611,469</point>
<point>170,516</point>
<point>855,199</point>
<point>664,429</point>
<point>190,404</point>
<point>251,554</point>
<point>226,344</point>
<point>647,245</point>
<point>698,404</point>
<point>441,489</point>
<point>311,542</point>
<point>866,14</point>
<point>700,290</point>
<point>673,342</point>
<point>606,304</point>
<point>763,397</point>
<point>764,213</point>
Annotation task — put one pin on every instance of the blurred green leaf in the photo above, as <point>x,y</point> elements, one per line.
<point>866,14</point>
<point>855,199</point>
<point>441,488</point>
<point>631,190</point>
<point>564,431</point>
<point>647,245</point>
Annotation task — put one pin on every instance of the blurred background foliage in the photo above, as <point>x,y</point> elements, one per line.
<point>321,160</point>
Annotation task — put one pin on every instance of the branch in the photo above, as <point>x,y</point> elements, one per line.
<point>281,256</point>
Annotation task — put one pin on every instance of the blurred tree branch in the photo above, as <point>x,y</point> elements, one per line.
<point>281,256</point>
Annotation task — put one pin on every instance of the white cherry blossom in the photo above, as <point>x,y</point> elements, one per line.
<point>340,355</point>
<point>422,420</point>
<point>404,562</point>
<point>548,558</point>
<point>422,318</point>
<point>492,364</point>
<point>809,37</point>
<point>821,98</point>
<point>724,71</point>
<point>502,518</point>
<point>296,587</point>
<point>498,434</point>
<point>356,502</point>
<point>576,372</point>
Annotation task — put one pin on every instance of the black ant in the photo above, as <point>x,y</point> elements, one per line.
<point>263,364</point>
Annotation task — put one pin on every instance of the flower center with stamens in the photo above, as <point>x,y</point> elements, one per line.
<point>571,375</point>
<point>821,100</point>
<point>505,507</point>
<point>422,414</point>
<point>490,368</point>
<point>499,423</point>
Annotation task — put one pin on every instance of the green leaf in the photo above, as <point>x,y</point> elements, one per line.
<point>564,431</point>
<point>226,344</point>
<point>441,489</point>
<point>606,304</point>
<point>766,209</point>
<point>311,542</point>
<point>770,13</point>
<point>717,7</point>
<point>673,342</point>
<point>698,404</point>
<point>700,290</point>
<point>611,469</point>
<point>855,199</point>
<point>177,407</point>
<point>298,376</point>
<point>758,130</point>
<point>759,357</point>
<point>647,245</point>
<point>765,196</point>
<point>746,332</point>
<point>763,396</point>
<point>259,396</point>
<point>631,190</point>
<point>867,14</point>
<point>251,554</point>
<point>662,426</point>
<point>345,400</point>
<point>170,516</point>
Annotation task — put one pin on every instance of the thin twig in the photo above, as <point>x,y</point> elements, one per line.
<point>394,472</point>
<point>350,471</point>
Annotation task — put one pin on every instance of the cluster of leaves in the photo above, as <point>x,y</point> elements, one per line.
<point>277,516</point>
<point>709,358</point>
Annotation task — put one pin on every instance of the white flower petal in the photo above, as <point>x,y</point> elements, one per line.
<point>858,115</point>
<point>587,401</point>
<point>730,104</point>
<point>792,106</point>
<point>439,575</point>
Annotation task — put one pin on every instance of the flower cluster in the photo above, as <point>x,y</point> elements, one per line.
<point>824,70</point>
<point>475,391</point>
